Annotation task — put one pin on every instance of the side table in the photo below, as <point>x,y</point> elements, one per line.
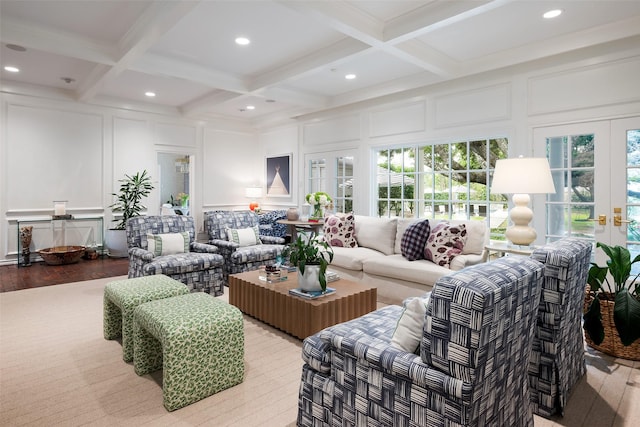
<point>293,226</point>
<point>501,249</point>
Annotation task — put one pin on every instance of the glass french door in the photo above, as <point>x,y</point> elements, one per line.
<point>332,173</point>
<point>596,171</point>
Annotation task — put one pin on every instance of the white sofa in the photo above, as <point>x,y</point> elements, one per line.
<point>378,260</point>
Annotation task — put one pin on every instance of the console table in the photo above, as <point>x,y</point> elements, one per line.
<point>50,232</point>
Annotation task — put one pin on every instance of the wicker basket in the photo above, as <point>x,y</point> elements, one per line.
<point>611,343</point>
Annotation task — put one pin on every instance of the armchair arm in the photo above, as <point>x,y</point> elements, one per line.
<point>143,254</point>
<point>272,239</point>
<point>381,356</point>
<point>224,244</point>
<point>204,248</point>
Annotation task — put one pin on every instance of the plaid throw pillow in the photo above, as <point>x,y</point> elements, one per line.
<point>414,239</point>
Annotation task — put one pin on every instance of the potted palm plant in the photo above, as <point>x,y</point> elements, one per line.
<point>311,256</point>
<point>612,312</point>
<point>129,202</point>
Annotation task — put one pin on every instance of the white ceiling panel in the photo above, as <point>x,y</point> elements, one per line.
<point>299,52</point>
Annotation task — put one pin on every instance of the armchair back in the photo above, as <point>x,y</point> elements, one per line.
<point>215,222</point>
<point>140,226</point>
<point>557,356</point>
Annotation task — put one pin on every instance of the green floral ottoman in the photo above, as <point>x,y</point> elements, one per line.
<point>196,339</point>
<point>121,297</point>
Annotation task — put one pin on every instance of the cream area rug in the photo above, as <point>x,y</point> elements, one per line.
<point>57,369</point>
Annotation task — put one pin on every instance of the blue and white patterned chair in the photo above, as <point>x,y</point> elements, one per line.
<point>269,223</point>
<point>201,268</point>
<point>472,366</point>
<point>557,357</point>
<point>238,259</point>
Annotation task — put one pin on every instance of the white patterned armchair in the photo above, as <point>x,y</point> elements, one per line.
<point>240,256</point>
<point>197,265</point>
<point>471,369</point>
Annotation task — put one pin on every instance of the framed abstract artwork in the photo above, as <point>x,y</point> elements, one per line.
<point>279,176</point>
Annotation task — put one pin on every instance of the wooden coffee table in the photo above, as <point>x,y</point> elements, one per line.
<point>300,317</point>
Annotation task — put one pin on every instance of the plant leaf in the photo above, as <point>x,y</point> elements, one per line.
<point>619,264</point>
<point>597,275</point>
<point>626,315</point>
<point>593,322</point>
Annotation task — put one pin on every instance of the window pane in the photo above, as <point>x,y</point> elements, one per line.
<point>582,186</point>
<point>633,185</point>
<point>581,225</point>
<point>441,157</point>
<point>478,155</point>
<point>582,151</point>
<point>633,147</point>
<point>497,150</point>
<point>459,156</point>
<point>633,228</point>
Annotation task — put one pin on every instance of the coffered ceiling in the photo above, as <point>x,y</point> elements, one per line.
<point>111,52</point>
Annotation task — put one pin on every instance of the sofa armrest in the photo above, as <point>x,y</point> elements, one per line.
<point>204,248</point>
<point>143,254</point>
<point>224,244</point>
<point>272,240</point>
<point>461,261</point>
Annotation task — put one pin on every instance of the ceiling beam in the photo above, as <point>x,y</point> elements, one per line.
<point>157,19</point>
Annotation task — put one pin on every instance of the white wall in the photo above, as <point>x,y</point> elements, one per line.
<point>52,148</point>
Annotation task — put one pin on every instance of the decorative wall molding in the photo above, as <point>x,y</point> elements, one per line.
<point>586,87</point>
<point>398,119</point>
<point>481,105</point>
<point>338,129</point>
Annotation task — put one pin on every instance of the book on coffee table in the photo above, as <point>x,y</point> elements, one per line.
<point>311,294</point>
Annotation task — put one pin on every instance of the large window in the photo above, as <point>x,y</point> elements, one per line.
<point>444,180</point>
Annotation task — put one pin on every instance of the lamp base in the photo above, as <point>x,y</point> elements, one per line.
<point>520,233</point>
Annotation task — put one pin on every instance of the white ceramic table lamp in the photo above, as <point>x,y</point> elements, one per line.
<point>522,176</point>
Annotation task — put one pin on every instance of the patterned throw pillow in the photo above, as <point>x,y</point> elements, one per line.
<point>168,244</point>
<point>340,231</point>
<point>244,236</point>
<point>445,242</point>
<point>414,239</point>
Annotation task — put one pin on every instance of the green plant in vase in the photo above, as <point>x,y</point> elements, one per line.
<point>308,252</point>
<point>624,293</point>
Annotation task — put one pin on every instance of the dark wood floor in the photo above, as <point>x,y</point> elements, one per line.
<point>39,274</point>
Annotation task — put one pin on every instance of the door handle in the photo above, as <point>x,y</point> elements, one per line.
<point>617,218</point>
<point>602,219</point>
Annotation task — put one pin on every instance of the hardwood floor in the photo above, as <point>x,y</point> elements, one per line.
<point>40,274</point>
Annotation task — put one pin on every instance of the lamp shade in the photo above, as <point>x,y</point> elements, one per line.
<point>522,175</point>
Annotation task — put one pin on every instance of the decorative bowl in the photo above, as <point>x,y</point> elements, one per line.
<point>59,255</point>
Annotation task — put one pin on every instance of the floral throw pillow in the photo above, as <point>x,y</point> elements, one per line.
<point>445,242</point>
<point>414,239</point>
<point>340,231</point>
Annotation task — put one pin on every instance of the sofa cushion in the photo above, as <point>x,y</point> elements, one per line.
<point>408,333</point>
<point>445,242</point>
<point>249,236</point>
<point>414,239</point>
<point>339,230</point>
<point>376,233</point>
<point>168,243</point>
<point>352,258</point>
<point>397,267</point>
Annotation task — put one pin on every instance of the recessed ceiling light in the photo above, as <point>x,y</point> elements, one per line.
<point>552,13</point>
<point>350,76</point>
<point>150,94</point>
<point>68,80</point>
<point>12,69</point>
<point>243,41</point>
<point>251,107</point>
<point>269,100</point>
